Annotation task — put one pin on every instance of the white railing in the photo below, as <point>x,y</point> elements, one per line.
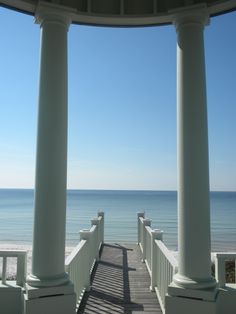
<point>21,257</point>
<point>79,264</point>
<point>160,262</point>
<point>166,267</point>
<point>220,260</point>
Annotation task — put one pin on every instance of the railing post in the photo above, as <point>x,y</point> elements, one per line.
<point>21,269</point>
<point>85,235</point>
<point>157,234</point>
<point>4,269</point>
<point>146,222</point>
<point>139,214</point>
<point>101,214</point>
<point>95,221</point>
<point>220,271</point>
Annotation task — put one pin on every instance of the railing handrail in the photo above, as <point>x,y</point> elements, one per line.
<point>141,218</point>
<point>225,255</point>
<point>149,230</point>
<point>15,253</point>
<point>74,253</point>
<point>93,229</point>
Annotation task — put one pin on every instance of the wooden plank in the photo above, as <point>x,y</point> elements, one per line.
<point>120,284</point>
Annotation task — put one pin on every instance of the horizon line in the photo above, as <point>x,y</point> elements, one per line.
<point>121,190</point>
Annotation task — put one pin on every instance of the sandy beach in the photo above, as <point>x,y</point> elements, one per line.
<point>11,263</point>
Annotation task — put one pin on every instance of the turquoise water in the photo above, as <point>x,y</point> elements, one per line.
<point>120,207</point>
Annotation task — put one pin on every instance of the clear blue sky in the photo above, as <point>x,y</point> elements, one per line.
<point>122,105</point>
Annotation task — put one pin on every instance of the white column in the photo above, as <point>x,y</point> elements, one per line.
<point>51,164</point>
<point>193,173</point>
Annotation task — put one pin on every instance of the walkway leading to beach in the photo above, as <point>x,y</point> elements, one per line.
<point>120,284</point>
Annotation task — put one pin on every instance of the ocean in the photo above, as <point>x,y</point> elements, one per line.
<point>120,207</point>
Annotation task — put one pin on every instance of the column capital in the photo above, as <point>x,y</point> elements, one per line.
<point>194,14</point>
<point>53,13</point>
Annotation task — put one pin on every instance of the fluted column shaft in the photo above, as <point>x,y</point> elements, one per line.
<point>193,170</point>
<point>51,165</point>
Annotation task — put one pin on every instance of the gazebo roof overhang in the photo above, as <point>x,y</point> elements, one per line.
<point>126,13</point>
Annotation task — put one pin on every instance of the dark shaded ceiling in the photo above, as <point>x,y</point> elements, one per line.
<point>122,12</point>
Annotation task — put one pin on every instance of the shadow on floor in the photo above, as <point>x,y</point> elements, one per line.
<point>110,284</point>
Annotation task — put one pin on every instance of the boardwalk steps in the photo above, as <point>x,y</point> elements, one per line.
<point>120,283</point>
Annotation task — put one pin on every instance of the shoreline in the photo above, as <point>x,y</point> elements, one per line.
<point>11,263</point>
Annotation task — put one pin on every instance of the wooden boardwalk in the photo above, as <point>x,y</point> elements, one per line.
<point>120,284</point>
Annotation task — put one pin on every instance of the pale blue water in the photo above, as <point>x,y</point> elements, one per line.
<point>120,207</point>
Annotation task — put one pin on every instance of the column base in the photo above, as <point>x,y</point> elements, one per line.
<point>180,305</point>
<point>200,294</point>
<point>38,282</point>
<point>35,292</point>
<point>50,300</point>
<point>181,300</point>
<point>189,283</point>
<point>226,299</point>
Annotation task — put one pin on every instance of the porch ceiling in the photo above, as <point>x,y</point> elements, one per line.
<point>122,12</point>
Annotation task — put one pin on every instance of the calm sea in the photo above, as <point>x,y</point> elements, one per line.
<point>120,207</point>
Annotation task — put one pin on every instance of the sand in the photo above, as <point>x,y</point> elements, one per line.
<point>11,262</point>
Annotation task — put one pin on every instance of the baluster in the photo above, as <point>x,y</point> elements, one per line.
<point>21,269</point>
<point>146,222</point>
<point>156,234</point>
<point>220,270</point>
<point>4,269</point>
